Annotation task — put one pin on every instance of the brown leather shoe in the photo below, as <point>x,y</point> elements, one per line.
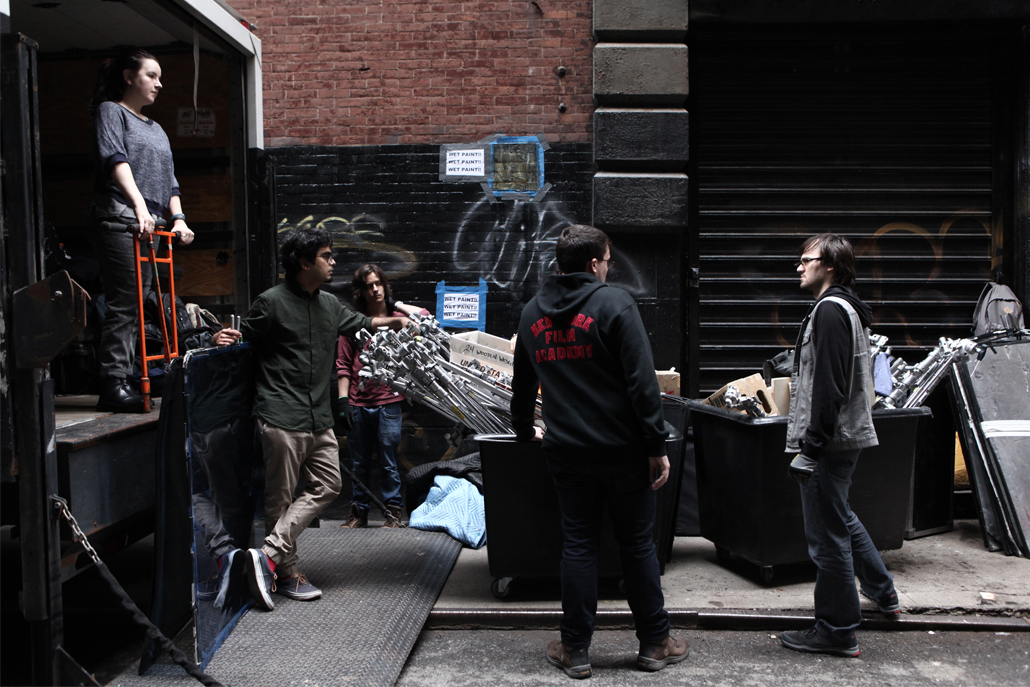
<point>574,663</point>
<point>356,518</point>
<point>654,657</point>
<point>393,517</point>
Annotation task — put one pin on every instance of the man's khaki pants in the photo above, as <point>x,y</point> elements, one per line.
<point>288,455</point>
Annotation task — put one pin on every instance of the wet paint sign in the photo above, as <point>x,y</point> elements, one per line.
<point>462,306</point>
<point>466,163</point>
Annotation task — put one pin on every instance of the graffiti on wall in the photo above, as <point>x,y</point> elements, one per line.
<point>356,241</point>
<point>928,275</point>
<point>511,245</point>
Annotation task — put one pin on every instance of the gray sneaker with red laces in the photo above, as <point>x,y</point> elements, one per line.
<point>298,588</point>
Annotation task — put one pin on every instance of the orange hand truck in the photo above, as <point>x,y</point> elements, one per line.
<point>171,345</point>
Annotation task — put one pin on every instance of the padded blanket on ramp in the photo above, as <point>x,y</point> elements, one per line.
<point>454,506</point>
<point>378,586</point>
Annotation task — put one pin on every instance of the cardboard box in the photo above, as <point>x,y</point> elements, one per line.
<point>669,381</point>
<point>479,349</point>
<point>747,386</point>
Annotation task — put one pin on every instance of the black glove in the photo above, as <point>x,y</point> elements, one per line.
<point>802,468</point>
<point>345,413</point>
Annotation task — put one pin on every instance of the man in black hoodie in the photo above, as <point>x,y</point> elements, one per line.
<point>585,345</point>
<point>829,424</point>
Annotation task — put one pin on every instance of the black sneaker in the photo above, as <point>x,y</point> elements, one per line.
<point>230,569</point>
<point>575,663</point>
<point>654,657</point>
<point>260,578</point>
<point>298,588</point>
<point>810,641</point>
<point>888,606</point>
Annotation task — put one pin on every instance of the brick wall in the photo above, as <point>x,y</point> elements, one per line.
<point>411,71</point>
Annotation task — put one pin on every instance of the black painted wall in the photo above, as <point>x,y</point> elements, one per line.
<point>386,204</point>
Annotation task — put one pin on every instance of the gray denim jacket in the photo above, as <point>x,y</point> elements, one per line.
<point>855,422</point>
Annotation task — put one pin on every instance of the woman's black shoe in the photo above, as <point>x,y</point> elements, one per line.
<point>117,396</point>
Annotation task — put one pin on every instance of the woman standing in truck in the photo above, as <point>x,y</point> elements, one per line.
<point>134,184</point>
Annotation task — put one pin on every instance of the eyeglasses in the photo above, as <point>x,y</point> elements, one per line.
<point>611,263</point>
<point>327,256</point>
<point>805,261</point>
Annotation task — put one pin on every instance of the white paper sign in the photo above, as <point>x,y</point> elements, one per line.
<point>205,122</point>
<point>466,163</point>
<point>461,306</point>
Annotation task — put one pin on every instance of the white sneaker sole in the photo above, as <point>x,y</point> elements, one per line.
<point>256,581</point>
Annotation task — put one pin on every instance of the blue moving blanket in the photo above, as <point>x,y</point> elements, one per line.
<point>453,506</point>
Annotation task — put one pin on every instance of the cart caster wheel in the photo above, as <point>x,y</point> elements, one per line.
<point>501,587</point>
<point>767,574</point>
<point>722,554</point>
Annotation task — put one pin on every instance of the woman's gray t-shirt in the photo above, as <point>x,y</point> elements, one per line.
<point>121,136</point>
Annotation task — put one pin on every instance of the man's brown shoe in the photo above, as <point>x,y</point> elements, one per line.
<point>575,663</point>
<point>393,517</point>
<point>356,518</point>
<point>656,656</point>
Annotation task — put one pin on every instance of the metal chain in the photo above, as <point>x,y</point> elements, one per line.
<point>62,507</point>
<point>153,632</point>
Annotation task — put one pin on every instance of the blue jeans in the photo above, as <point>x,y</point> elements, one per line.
<point>379,429</point>
<point>840,547</point>
<point>585,490</point>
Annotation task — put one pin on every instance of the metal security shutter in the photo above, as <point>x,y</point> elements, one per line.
<point>887,142</point>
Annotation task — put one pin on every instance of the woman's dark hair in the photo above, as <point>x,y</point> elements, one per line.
<point>110,82</point>
<point>836,252</point>
<point>302,243</point>
<point>578,245</point>
<point>358,286</point>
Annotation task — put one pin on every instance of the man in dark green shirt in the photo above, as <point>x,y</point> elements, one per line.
<point>293,329</point>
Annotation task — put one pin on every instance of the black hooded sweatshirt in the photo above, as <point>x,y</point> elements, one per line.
<point>832,336</point>
<point>584,343</point>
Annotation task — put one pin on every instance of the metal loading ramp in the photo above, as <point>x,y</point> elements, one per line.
<point>378,586</point>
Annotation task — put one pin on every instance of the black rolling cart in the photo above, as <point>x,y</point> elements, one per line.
<point>750,508</point>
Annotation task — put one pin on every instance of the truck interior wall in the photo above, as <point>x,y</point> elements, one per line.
<point>209,168</point>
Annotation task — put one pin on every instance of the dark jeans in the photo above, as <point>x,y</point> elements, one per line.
<point>585,490</point>
<point>840,547</point>
<point>376,429</point>
<point>120,333</point>
<point>223,508</point>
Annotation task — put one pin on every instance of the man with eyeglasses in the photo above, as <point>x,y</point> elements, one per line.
<point>829,423</point>
<point>585,345</point>
<point>293,328</point>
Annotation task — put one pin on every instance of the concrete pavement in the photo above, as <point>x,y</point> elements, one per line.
<point>756,659</point>
<point>941,580</point>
